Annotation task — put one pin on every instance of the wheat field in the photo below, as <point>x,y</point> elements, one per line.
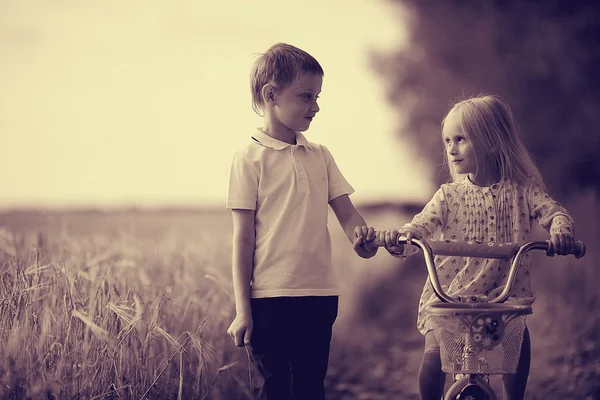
<point>135,304</point>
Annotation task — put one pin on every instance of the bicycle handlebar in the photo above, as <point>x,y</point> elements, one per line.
<point>504,251</point>
<point>473,249</point>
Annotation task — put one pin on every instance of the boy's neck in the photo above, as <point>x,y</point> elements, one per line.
<point>278,131</point>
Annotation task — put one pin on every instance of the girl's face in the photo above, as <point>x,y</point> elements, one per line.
<point>296,105</point>
<point>460,150</point>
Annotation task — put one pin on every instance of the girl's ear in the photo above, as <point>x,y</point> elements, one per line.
<point>268,94</point>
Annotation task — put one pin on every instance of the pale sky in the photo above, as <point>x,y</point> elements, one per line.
<point>144,102</point>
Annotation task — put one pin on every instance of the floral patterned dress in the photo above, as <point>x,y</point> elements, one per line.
<point>501,213</point>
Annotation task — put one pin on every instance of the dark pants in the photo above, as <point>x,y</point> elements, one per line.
<point>290,345</point>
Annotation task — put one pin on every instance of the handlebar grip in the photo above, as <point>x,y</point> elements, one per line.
<point>579,249</point>
<point>578,252</point>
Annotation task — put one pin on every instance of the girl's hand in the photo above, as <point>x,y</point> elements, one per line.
<point>562,243</point>
<point>388,238</point>
<point>410,234</point>
<point>362,236</point>
<point>240,330</point>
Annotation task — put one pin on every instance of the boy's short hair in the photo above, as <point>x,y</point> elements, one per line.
<point>279,66</point>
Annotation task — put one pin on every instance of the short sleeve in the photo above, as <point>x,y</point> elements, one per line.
<point>243,184</point>
<point>550,214</point>
<point>337,184</point>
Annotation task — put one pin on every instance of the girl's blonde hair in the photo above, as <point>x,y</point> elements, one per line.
<point>488,122</point>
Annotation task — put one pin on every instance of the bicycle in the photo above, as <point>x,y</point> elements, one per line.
<point>478,336</point>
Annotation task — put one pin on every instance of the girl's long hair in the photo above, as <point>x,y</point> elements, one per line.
<point>488,122</point>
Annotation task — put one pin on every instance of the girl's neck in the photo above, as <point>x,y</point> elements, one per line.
<point>483,179</point>
<point>486,174</point>
<point>278,131</point>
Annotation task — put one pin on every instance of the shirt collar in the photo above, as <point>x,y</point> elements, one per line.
<point>268,141</point>
<point>491,187</point>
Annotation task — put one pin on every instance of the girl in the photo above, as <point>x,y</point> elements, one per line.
<point>495,193</point>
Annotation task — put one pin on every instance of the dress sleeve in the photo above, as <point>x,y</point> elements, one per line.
<point>430,219</point>
<point>426,223</point>
<point>550,214</point>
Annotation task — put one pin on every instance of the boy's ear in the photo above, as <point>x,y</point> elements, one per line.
<point>268,94</point>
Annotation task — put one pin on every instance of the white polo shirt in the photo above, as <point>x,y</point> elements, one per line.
<point>289,187</point>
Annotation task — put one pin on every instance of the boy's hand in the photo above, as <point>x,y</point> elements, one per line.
<point>562,243</point>
<point>240,330</point>
<point>362,236</point>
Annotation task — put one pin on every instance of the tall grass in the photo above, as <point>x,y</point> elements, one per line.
<point>112,313</point>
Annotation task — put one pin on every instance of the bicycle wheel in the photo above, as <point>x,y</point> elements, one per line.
<point>470,388</point>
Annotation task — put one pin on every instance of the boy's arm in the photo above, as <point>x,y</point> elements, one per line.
<point>350,218</point>
<point>240,329</point>
<point>242,258</point>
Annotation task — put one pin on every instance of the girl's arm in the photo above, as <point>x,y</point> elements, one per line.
<point>553,217</point>
<point>350,219</point>
<point>423,225</point>
<point>242,265</point>
<point>430,219</point>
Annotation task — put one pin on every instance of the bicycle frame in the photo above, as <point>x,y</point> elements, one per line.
<point>477,384</point>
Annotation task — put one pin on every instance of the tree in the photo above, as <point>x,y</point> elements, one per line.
<point>541,56</point>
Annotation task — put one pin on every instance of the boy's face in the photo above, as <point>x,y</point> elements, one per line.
<point>296,104</point>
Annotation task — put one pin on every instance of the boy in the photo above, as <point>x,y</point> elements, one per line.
<point>286,294</point>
